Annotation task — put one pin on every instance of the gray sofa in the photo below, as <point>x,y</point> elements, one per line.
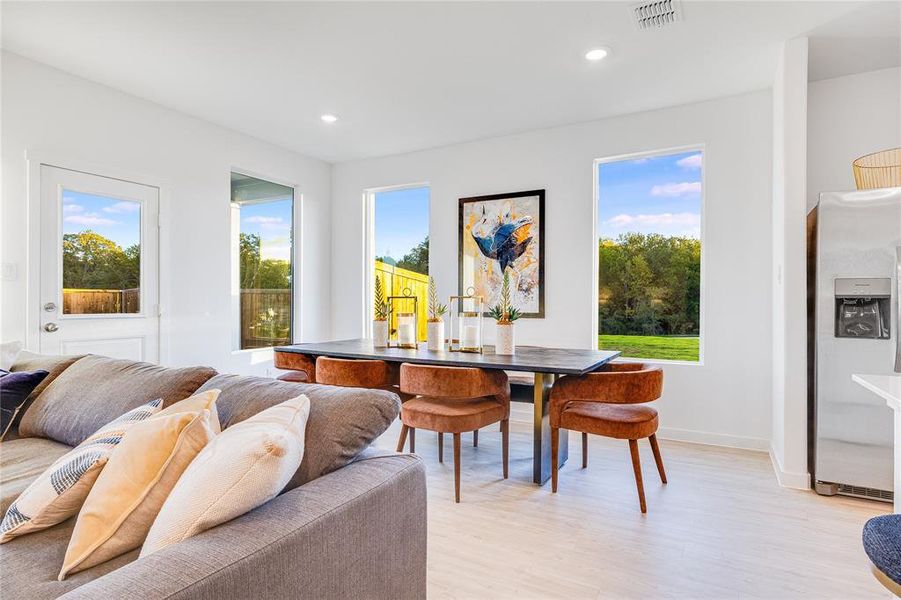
<point>351,524</point>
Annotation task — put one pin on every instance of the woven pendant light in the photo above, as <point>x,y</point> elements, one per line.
<point>878,170</point>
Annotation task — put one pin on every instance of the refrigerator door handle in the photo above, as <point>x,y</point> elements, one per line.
<point>897,309</point>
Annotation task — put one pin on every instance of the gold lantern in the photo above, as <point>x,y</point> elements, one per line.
<point>403,314</point>
<point>466,322</point>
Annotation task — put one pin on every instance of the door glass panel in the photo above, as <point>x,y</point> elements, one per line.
<point>101,254</point>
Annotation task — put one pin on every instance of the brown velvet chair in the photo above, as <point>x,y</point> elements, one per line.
<point>301,368</point>
<point>371,374</point>
<point>454,400</point>
<point>604,403</point>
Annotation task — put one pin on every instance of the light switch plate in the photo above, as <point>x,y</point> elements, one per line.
<point>9,271</point>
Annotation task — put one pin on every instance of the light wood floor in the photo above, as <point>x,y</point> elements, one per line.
<point>721,528</point>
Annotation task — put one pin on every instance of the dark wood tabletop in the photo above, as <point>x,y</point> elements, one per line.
<point>534,359</point>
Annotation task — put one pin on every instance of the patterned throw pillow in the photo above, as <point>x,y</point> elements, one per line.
<point>60,491</point>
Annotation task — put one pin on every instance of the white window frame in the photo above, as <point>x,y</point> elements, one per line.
<point>234,220</point>
<point>595,261</point>
<point>368,307</point>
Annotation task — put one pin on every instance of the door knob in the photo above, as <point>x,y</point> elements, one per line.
<point>50,307</point>
<point>51,327</point>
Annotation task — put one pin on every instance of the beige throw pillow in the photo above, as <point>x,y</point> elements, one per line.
<point>59,492</point>
<point>245,467</point>
<point>130,490</point>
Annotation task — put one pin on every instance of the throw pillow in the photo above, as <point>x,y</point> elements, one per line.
<point>14,391</point>
<point>131,489</point>
<point>245,467</point>
<point>59,492</point>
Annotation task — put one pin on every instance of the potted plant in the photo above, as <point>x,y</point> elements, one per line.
<point>505,315</point>
<point>380,321</point>
<point>435,325</point>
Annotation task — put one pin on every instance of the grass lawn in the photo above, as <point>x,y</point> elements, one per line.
<point>652,346</point>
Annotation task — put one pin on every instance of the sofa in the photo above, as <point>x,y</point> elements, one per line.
<point>351,524</point>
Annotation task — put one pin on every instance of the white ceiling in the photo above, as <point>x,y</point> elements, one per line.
<point>407,76</point>
<point>864,40</point>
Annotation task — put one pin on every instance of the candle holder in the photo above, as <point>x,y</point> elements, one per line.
<point>402,319</point>
<point>466,322</point>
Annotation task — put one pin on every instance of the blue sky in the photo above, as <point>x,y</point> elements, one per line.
<point>401,220</point>
<point>654,194</point>
<point>272,222</point>
<point>115,219</point>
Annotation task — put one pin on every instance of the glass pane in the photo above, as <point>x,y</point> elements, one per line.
<point>101,254</point>
<point>649,249</point>
<point>265,249</point>
<point>402,247</point>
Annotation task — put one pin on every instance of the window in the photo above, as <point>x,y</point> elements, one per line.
<point>264,212</point>
<point>401,244</point>
<point>101,249</point>
<point>649,255</point>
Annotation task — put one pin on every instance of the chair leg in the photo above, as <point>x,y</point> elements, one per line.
<point>457,466</point>
<point>505,445</point>
<point>555,446</point>
<point>403,438</point>
<point>412,440</point>
<point>440,447</point>
<point>475,438</point>
<point>636,465</point>
<point>584,450</point>
<point>657,458</point>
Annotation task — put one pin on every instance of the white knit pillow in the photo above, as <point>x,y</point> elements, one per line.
<point>244,467</point>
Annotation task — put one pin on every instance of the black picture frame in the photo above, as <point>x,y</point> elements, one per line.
<point>461,232</point>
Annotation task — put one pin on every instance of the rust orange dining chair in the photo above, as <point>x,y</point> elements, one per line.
<point>454,400</point>
<point>609,403</point>
<point>301,368</point>
<point>370,374</point>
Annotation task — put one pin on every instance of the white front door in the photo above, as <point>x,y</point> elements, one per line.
<point>99,266</point>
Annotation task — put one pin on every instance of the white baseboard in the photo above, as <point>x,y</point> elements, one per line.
<point>520,411</point>
<point>793,480</point>
<point>713,439</point>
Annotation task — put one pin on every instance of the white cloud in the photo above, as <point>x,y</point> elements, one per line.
<point>690,162</point>
<point>673,190</point>
<point>90,219</point>
<point>123,207</point>
<point>278,248</point>
<point>72,208</point>
<point>683,224</point>
<point>268,222</point>
<point>640,161</point>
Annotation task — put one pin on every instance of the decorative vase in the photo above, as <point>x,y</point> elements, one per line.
<point>380,334</point>
<point>435,335</point>
<point>505,344</point>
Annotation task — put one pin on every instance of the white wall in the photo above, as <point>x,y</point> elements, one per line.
<point>789,268</point>
<point>727,399</point>
<point>56,114</point>
<point>848,117</point>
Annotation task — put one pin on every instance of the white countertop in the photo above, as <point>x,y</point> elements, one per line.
<point>886,386</point>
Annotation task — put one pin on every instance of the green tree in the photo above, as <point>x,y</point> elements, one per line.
<point>257,272</point>
<point>417,259</point>
<point>92,261</point>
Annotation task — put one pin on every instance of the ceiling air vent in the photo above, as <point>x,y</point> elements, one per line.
<point>655,15</point>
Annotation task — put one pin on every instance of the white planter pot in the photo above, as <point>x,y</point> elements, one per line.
<point>380,334</point>
<point>505,344</point>
<point>435,335</point>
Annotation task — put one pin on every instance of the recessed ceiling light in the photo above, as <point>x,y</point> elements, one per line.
<point>597,54</point>
<point>328,118</point>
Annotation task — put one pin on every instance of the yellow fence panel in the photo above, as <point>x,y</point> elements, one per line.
<point>395,280</point>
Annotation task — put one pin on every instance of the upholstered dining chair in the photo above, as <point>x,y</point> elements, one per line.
<point>370,374</point>
<point>609,403</point>
<point>301,368</point>
<point>454,400</point>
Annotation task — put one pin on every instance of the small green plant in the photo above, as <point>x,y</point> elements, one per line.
<point>436,309</point>
<point>381,307</point>
<point>504,313</point>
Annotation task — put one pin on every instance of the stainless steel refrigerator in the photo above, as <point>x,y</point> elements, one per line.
<point>854,283</point>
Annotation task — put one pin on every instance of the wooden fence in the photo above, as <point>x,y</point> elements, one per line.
<point>101,302</point>
<point>395,280</point>
<point>265,317</point>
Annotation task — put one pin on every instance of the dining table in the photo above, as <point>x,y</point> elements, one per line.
<point>546,365</point>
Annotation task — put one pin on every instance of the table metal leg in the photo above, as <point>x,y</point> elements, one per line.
<point>541,451</point>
